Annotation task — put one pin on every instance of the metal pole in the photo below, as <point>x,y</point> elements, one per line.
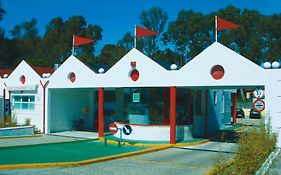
<point>216,28</point>
<point>73,45</point>
<point>135,37</point>
<point>120,140</point>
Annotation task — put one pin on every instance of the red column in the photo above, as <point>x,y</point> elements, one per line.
<point>173,96</point>
<point>233,97</point>
<point>101,112</point>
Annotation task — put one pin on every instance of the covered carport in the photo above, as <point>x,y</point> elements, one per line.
<point>71,103</point>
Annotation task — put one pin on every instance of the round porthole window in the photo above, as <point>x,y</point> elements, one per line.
<point>72,77</point>
<point>22,79</point>
<point>217,72</point>
<point>135,75</point>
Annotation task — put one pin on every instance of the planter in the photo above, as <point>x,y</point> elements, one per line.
<point>17,131</point>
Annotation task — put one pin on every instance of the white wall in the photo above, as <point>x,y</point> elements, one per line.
<point>67,105</point>
<point>35,115</point>
<point>273,100</point>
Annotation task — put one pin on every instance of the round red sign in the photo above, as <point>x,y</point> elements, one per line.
<point>113,128</point>
<point>259,105</point>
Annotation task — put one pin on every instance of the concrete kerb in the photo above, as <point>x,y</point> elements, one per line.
<point>154,144</point>
<point>59,142</point>
<point>23,136</point>
<point>83,162</point>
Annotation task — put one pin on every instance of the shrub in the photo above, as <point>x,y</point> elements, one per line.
<point>254,146</point>
<point>27,121</point>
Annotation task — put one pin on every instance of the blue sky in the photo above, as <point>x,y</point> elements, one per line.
<point>116,17</point>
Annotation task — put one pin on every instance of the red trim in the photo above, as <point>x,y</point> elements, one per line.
<point>101,112</point>
<point>160,125</point>
<point>173,96</point>
<point>233,96</point>
<point>206,112</point>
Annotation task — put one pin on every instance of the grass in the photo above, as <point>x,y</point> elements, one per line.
<point>254,147</point>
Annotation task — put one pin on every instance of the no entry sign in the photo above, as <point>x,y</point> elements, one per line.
<point>259,105</point>
<point>113,128</point>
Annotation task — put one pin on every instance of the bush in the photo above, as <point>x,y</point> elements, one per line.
<point>254,147</point>
<point>27,121</point>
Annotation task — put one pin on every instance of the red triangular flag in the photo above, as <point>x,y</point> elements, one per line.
<point>223,24</point>
<point>77,40</point>
<point>140,32</point>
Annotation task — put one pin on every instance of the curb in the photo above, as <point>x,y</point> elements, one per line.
<point>50,143</point>
<point>83,162</point>
<point>23,136</point>
<point>154,144</point>
<point>265,166</point>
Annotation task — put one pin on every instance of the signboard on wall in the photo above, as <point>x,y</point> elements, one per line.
<point>259,93</point>
<point>136,97</point>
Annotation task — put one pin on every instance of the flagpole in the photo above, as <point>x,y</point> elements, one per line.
<point>216,28</point>
<point>135,37</point>
<point>73,45</point>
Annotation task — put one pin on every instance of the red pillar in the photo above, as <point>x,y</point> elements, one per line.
<point>233,97</point>
<point>101,112</point>
<point>173,96</point>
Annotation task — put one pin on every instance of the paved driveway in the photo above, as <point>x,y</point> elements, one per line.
<point>193,160</point>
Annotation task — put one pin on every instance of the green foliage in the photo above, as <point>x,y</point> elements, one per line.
<point>258,38</point>
<point>27,121</point>
<point>2,11</point>
<point>154,19</point>
<point>11,121</point>
<point>255,145</point>
<point>110,54</point>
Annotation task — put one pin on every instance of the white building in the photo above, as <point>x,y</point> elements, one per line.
<point>25,88</point>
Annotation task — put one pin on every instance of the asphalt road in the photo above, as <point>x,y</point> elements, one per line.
<point>193,160</point>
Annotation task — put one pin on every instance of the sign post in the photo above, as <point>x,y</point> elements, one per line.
<point>259,105</point>
<point>113,128</point>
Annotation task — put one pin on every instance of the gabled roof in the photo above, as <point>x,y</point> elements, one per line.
<point>23,69</point>
<point>150,72</point>
<point>5,71</point>
<point>84,76</point>
<point>238,70</point>
<point>41,70</point>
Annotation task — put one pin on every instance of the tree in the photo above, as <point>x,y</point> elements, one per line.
<point>110,54</point>
<point>189,34</point>
<point>57,41</point>
<point>25,37</point>
<point>2,11</point>
<point>127,41</point>
<point>154,19</point>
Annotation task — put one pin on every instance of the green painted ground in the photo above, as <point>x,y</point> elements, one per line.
<point>61,152</point>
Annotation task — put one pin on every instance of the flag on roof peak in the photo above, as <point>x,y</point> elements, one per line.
<point>77,40</point>
<point>223,24</point>
<point>141,32</point>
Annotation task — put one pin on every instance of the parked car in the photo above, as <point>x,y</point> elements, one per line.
<point>254,114</point>
<point>240,113</point>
